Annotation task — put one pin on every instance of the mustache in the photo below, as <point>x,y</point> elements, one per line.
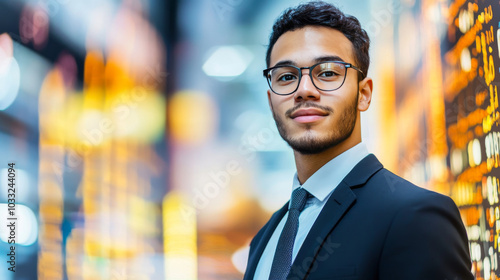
<point>307,104</point>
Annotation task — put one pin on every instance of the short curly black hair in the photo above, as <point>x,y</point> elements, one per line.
<point>319,13</point>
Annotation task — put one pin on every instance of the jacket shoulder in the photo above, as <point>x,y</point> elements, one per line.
<point>401,192</point>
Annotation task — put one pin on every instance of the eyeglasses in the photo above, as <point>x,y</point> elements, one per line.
<point>325,76</point>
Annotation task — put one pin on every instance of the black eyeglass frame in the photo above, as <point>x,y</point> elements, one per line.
<point>346,65</point>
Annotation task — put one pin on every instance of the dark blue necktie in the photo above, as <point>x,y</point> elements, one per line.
<point>283,257</point>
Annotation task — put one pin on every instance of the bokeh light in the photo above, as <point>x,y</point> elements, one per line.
<point>10,75</point>
<point>193,117</point>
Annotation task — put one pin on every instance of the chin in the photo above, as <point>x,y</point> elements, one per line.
<point>315,141</point>
<point>309,144</point>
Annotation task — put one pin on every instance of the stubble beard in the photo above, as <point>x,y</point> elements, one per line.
<point>309,143</point>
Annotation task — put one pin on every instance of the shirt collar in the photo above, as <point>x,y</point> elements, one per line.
<point>326,179</point>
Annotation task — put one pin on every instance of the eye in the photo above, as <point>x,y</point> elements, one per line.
<point>286,77</point>
<point>329,71</point>
<point>327,74</point>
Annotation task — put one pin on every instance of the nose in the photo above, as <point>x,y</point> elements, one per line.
<point>306,89</point>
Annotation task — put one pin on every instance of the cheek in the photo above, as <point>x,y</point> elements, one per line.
<point>280,105</point>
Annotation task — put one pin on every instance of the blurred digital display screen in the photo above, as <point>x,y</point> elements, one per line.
<point>471,70</point>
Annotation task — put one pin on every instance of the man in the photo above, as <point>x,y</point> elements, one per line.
<point>348,218</point>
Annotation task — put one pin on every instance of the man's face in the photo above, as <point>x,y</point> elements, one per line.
<point>310,120</point>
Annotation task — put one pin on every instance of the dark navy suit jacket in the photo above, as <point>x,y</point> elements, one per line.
<point>376,225</point>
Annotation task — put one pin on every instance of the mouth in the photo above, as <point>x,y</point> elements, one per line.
<point>308,115</point>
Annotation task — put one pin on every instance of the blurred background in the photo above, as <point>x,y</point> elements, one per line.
<point>144,148</point>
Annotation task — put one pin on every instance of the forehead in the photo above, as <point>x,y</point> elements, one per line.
<point>303,45</point>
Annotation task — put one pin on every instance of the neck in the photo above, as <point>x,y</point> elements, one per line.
<point>307,165</point>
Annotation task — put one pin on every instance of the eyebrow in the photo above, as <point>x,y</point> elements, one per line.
<point>316,60</point>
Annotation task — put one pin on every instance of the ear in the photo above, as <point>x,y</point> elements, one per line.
<point>365,94</point>
<point>269,94</point>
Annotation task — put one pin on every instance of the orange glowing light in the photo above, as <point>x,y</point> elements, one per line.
<point>192,117</point>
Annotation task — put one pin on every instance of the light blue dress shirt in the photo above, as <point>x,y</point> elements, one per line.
<point>321,185</point>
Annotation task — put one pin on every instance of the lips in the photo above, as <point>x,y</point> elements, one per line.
<point>307,115</point>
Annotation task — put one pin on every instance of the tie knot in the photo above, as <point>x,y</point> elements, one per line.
<point>299,198</point>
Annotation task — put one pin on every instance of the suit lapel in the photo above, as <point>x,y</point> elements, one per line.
<point>334,210</point>
<point>260,243</point>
